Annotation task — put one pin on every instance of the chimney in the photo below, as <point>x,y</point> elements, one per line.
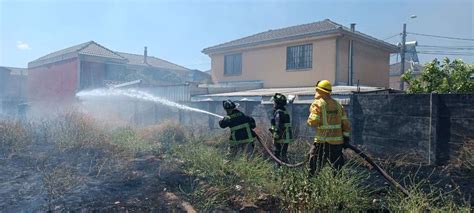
<point>353,25</point>
<point>145,56</point>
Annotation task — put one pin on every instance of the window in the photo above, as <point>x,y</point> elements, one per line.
<point>299,57</point>
<point>233,64</point>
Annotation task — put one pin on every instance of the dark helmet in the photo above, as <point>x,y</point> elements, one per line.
<point>279,99</point>
<point>228,104</point>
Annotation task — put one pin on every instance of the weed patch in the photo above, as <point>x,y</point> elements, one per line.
<point>14,135</point>
<point>74,130</point>
<point>329,190</point>
<point>425,197</point>
<point>164,135</point>
<point>238,180</point>
<point>128,140</point>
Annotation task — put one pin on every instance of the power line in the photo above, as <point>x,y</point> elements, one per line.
<point>444,53</point>
<point>446,47</point>
<point>391,36</point>
<point>463,46</point>
<point>445,37</point>
<point>447,51</point>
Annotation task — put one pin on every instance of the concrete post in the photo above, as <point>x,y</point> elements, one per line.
<point>402,56</point>
<point>433,128</point>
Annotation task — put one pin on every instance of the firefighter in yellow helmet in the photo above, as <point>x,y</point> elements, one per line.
<point>332,128</point>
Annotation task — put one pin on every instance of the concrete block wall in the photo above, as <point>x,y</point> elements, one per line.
<point>430,126</point>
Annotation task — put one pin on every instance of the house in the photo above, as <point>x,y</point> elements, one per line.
<point>416,69</point>
<point>58,76</point>
<point>12,89</point>
<point>411,63</point>
<point>198,76</point>
<point>299,56</point>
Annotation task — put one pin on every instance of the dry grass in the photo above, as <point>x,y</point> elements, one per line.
<point>425,197</point>
<point>464,159</point>
<point>163,135</point>
<point>58,181</point>
<point>74,130</point>
<point>14,135</point>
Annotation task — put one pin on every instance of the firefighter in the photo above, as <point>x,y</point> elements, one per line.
<point>241,126</point>
<point>332,129</point>
<point>281,127</point>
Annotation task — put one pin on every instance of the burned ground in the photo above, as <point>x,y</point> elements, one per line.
<point>41,179</point>
<point>128,169</point>
<point>43,176</point>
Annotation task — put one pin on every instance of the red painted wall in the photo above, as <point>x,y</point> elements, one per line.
<point>54,83</point>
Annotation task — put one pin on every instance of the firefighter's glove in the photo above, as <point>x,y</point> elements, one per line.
<point>276,136</point>
<point>346,142</point>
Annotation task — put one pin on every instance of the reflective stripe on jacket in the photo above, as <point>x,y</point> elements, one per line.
<point>240,127</point>
<point>330,120</point>
<point>281,125</point>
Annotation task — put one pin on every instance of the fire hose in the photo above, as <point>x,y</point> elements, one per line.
<point>276,159</point>
<point>349,146</point>
<point>379,169</point>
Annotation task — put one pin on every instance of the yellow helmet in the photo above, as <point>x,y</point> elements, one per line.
<point>324,86</point>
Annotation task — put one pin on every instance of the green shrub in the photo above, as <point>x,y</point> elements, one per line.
<point>164,134</point>
<point>446,77</point>
<point>329,190</point>
<point>247,181</point>
<point>127,139</point>
<point>239,180</point>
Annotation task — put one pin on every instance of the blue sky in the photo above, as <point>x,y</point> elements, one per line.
<point>178,30</point>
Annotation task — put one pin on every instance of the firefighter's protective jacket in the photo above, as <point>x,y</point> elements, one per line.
<point>240,127</point>
<point>330,120</point>
<point>281,126</point>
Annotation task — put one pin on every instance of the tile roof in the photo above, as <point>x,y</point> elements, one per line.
<point>294,32</point>
<point>92,48</point>
<point>95,49</point>
<point>136,59</point>
<point>88,48</point>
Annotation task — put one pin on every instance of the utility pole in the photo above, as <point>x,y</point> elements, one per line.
<point>351,58</point>
<point>402,55</point>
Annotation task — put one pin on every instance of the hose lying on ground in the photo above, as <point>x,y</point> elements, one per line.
<point>349,146</point>
<point>379,169</point>
<point>278,160</point>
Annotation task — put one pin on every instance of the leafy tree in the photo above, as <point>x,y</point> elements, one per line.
<point>448,77</point>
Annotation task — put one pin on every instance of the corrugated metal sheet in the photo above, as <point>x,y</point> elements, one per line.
<point>176,93</point>
<point>301,92</point>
